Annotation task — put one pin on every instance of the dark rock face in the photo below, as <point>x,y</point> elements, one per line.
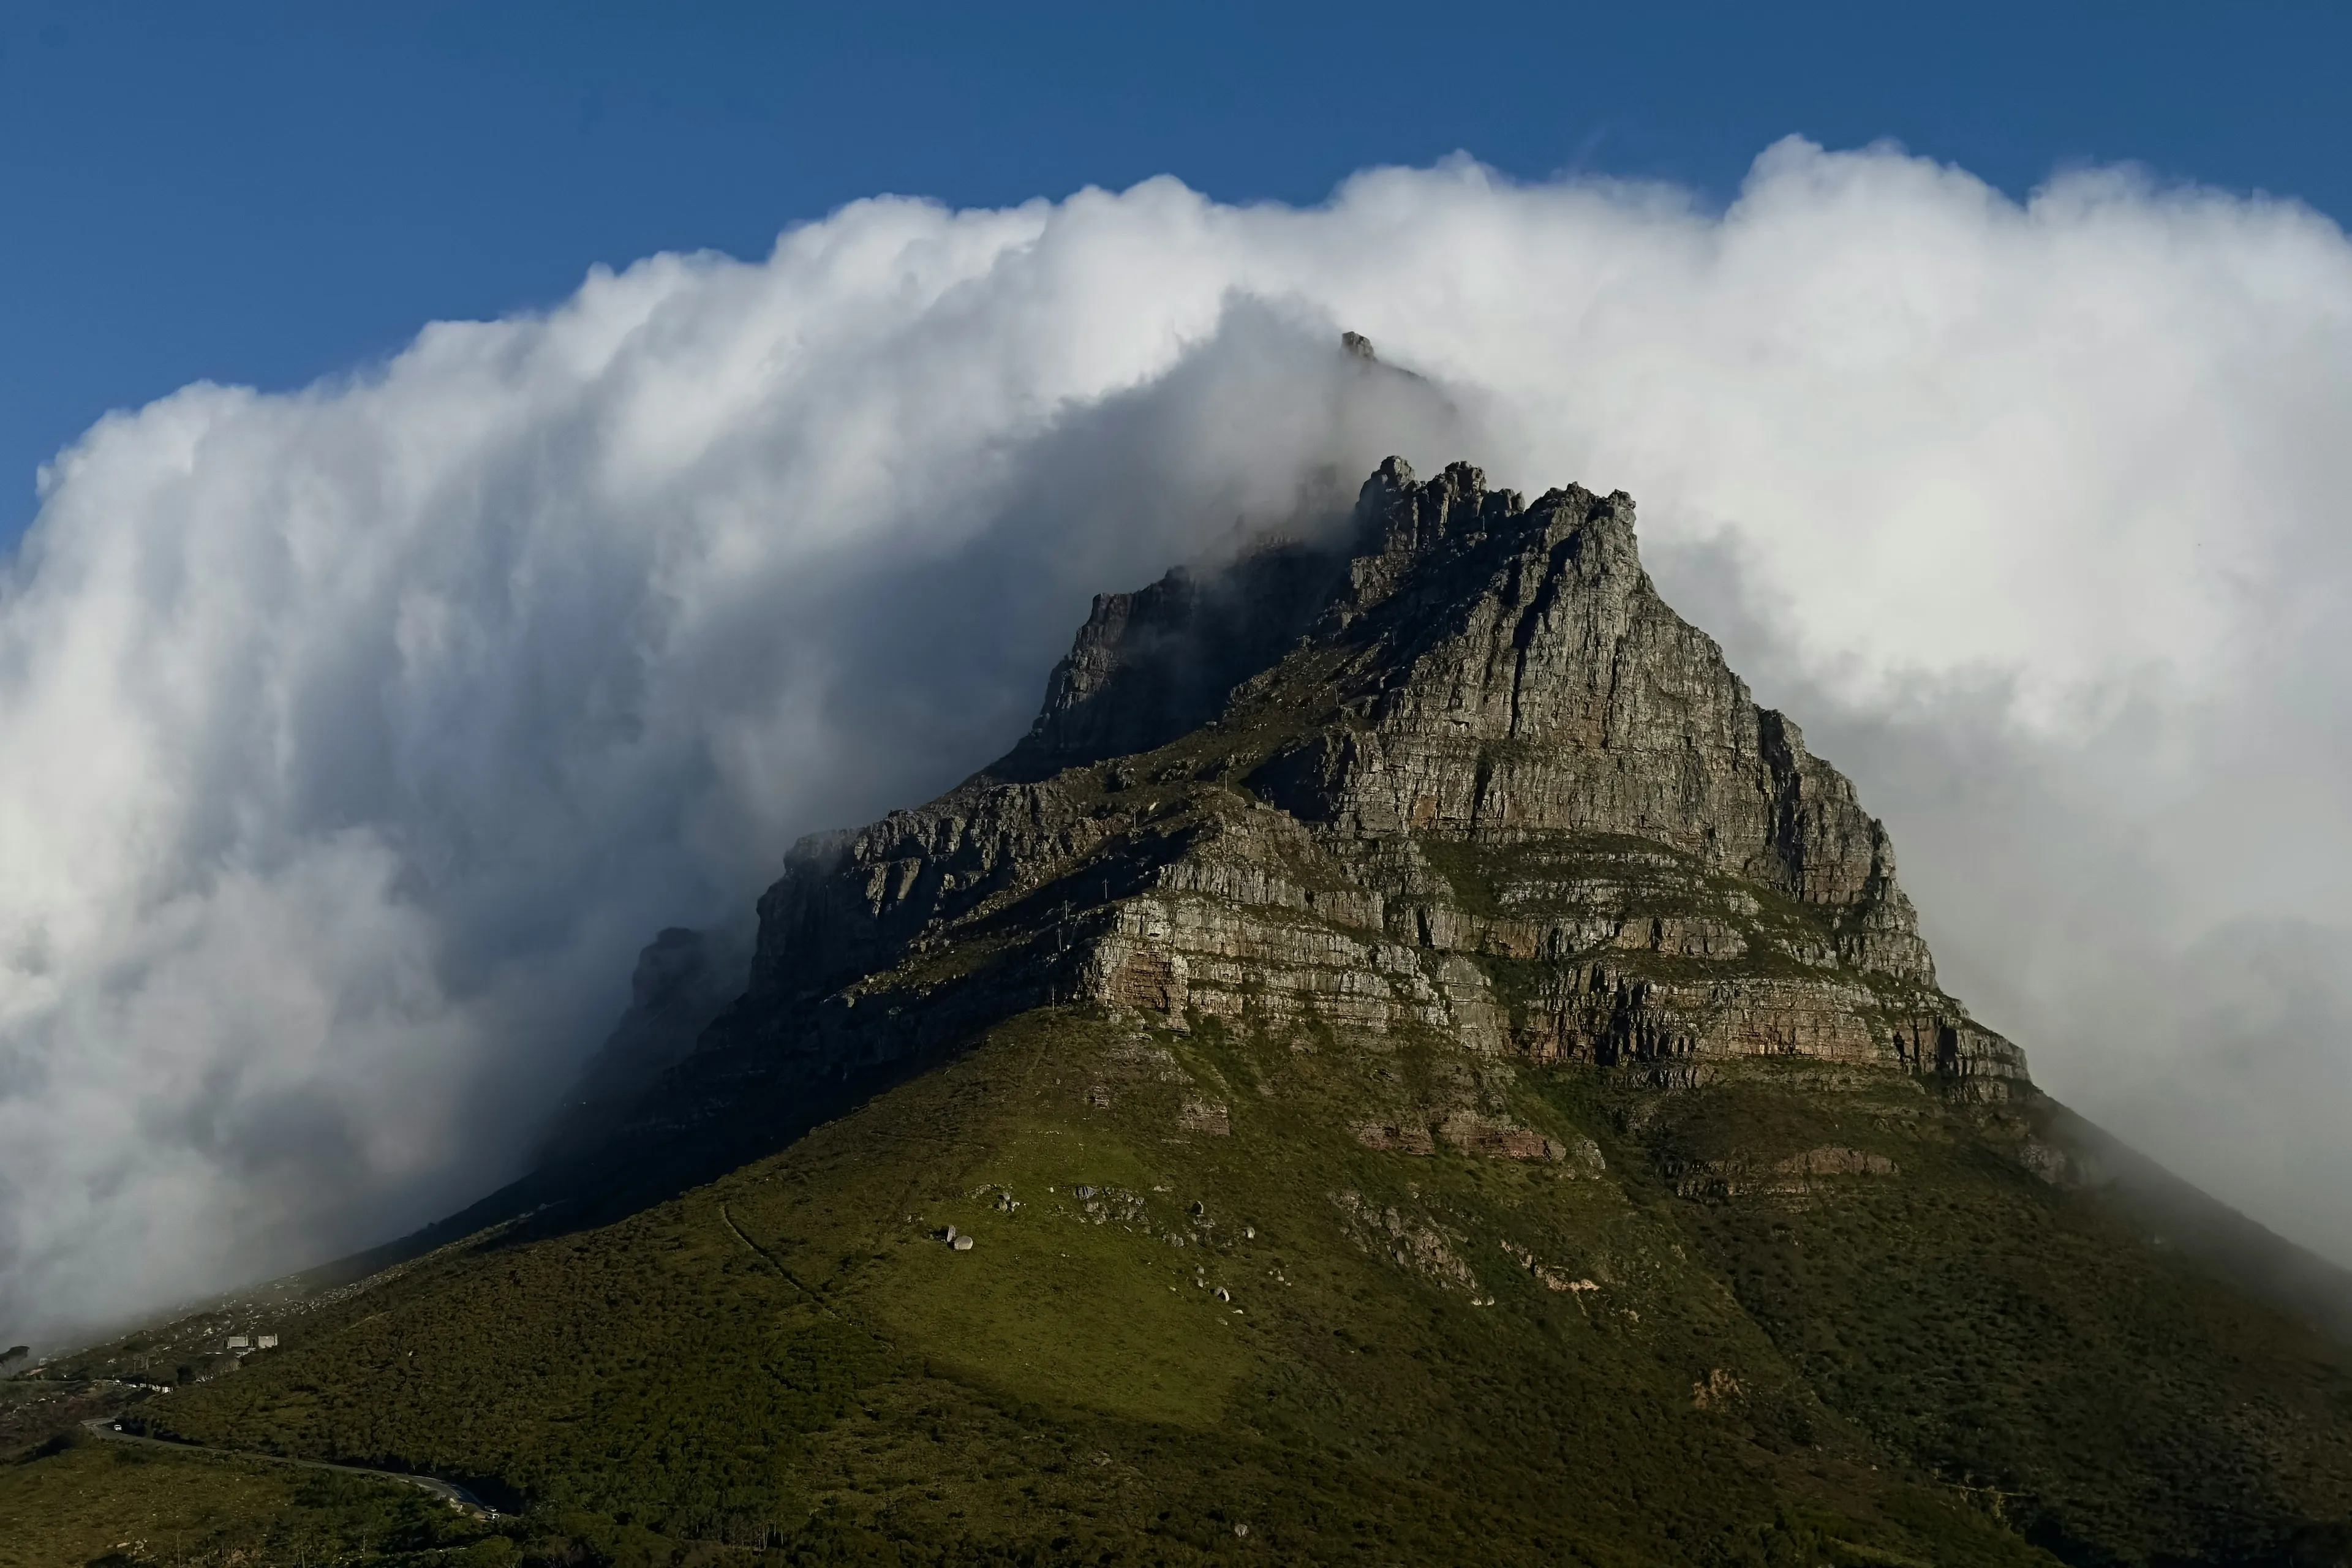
<point>682,981</point>
<point>1464,774</point>
<point>1149,665</point>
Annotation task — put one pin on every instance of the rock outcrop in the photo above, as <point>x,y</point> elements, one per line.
<point>1460,775</point>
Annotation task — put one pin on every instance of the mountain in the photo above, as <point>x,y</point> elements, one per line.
<point>1406,1062</point>
<point>1465,774</point>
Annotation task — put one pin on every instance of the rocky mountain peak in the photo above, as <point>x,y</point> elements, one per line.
<point>1493,669</point>
<point>1452,769</point>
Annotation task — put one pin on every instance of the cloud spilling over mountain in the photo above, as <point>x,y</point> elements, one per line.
<point>356,738</point>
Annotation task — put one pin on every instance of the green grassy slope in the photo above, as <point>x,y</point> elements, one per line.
<point>1743,1339</point>
<point>83,1501</point>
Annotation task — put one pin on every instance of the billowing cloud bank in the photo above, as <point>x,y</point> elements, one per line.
<point>351,741</point>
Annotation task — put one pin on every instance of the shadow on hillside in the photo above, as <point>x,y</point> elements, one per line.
<point>630,1174</point>
<point>2241,1253</point>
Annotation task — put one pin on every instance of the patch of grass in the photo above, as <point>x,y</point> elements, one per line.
<point>1048,1309</point>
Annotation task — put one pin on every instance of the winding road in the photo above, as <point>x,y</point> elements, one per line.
<point>449,1492</point>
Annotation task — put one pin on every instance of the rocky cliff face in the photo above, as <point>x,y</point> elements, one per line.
<point>1461,775</point>
<point>683,980</point>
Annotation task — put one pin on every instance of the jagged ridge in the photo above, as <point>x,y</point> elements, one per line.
<point>1463,772</point>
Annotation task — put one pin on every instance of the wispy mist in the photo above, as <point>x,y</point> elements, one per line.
<point>356,738</point>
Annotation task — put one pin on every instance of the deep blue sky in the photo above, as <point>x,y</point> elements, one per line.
<point>264,193</point>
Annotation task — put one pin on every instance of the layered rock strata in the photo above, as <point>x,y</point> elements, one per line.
<point>1460,775</point>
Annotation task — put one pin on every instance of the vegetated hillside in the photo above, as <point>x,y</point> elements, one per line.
<point>1735,1323</point>
<point>79,1500</point>
<point>1430,1071</point>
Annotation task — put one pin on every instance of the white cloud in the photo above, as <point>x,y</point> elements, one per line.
<point>356,737</point>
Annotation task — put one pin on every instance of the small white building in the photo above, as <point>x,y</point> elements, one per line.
<point>238,1342</point>
<point>264,1341</point>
